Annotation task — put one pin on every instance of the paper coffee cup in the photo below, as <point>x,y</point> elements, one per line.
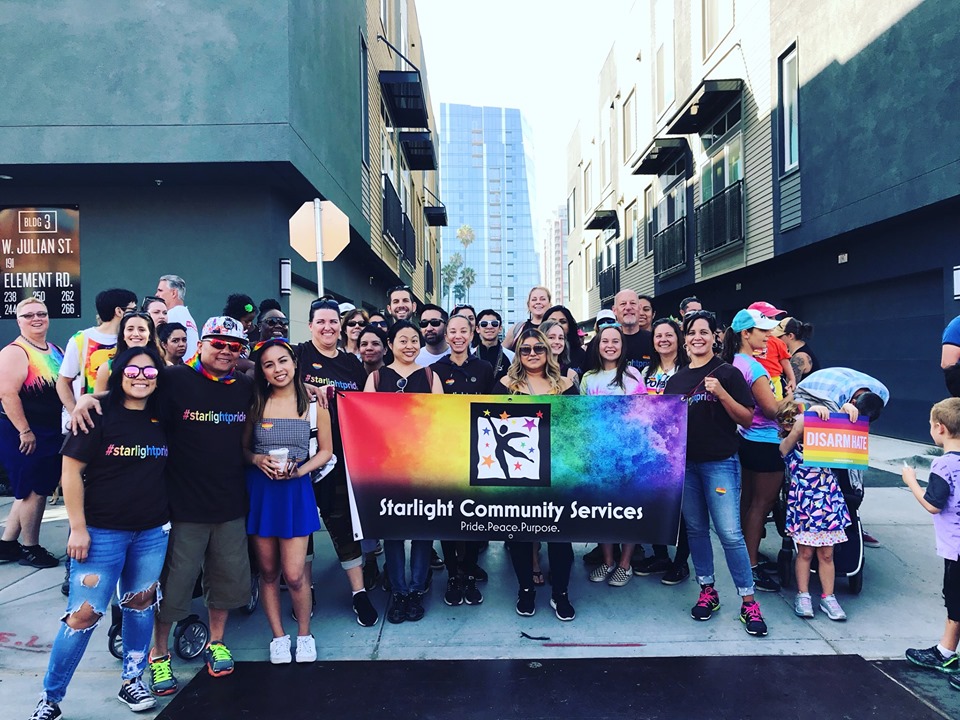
<point>280,456</point>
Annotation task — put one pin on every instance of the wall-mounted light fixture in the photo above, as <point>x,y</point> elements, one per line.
<point>285,276</point>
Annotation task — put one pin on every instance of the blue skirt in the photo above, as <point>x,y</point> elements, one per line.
<point>38,472</point>
<point>281,508</point>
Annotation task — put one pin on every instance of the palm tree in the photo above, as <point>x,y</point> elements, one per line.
<point>468,278</point>
<point>450,272</point>
<point>466,237</point>
<point>459,293</point>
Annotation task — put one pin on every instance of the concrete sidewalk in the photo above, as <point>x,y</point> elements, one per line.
<point>900,607</point>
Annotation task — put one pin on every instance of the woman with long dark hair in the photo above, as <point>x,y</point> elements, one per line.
<point>136,330</point>
<point>116,502</point>
<point>795,333</point>
<point>353,322</point>
<point>172,339</point>
<point>576,354</point>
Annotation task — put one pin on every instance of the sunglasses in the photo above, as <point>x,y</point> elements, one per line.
<point>326,304</point>
<point>275,322</point>
<point>401,384</point>
<point>606,322</point>
<point>379,323</point>
<point>39,314</point>
<point>398,288</point>
<point>221,344</point>
<point>489,323</point>
<point>135,313</point>
<point>430,323</point>
<point>135,371</point>
<point>356,323</point>
<point>538,349</point>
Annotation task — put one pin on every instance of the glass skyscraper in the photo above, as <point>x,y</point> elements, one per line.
<point>485,182</point>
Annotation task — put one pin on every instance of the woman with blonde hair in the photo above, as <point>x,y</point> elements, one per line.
<point>538,300</point>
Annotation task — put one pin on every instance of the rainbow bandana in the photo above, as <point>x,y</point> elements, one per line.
<point>194,362</point>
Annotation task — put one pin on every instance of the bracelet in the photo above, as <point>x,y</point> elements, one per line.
<point>26,432</point>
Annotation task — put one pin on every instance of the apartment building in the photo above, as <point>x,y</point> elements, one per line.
<point>186,134</point>
<point>799,153</point>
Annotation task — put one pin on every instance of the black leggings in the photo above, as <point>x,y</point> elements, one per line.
<point>334,505</point>
<point>460,555</point>
<point>561,561</point>
<point>683,547</point>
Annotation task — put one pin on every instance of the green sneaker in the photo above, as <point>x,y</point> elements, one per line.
<point>162,680</point>
<point>218,659</point>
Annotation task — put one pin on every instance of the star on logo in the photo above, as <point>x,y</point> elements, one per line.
<point>486,413</point>
<point>516,466</point>
<point>530,424</point>
<point>486,431</point>
<point>503,415</point>
<point>539,413</point>
<point>488,460</point>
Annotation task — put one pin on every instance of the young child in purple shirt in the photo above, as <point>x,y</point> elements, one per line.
<point>942,499</point>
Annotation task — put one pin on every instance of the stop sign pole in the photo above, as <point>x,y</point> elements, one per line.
<point>318,231</point>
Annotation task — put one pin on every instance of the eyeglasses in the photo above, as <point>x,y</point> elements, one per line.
<point>489,323</point>
<point>538,349</point>
<point>431,323</point>
<point>379,323</point>
<point>221,344</point>
<point>401,384</point>
<point>356,323</point>
<point>135,371</point>
<point>42,314</point>
<point>275,322</point>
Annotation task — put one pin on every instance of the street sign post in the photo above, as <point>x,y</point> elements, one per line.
<point>319,229</point>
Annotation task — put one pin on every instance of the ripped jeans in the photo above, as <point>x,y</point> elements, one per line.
<point>129,561</point>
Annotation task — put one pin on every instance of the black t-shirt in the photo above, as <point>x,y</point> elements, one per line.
<point>344,372</point>
<point>496,357</point>
<point>711,432</point>
<point>416,382</point>
<point>125,453</point>
<point>474,377</point>
<point>578,357</point>
<point>814,363</point>
<point>204,421</point>
<point>638,349</point>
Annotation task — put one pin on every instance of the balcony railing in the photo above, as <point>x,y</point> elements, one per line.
<point>609,282</point>
<point>408,246</point>
<point>720,220</point>
<point>670,248</point>
<point>396,224</point>
<point>428,278</point>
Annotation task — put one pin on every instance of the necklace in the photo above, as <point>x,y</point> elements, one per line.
<point>34,345</point>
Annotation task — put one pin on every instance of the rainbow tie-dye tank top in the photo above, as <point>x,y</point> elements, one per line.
<point>38,394</point>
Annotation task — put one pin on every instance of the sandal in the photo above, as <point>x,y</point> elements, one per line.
<point>538,578</point>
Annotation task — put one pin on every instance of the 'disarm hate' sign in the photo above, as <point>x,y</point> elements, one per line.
<point>835,443</point>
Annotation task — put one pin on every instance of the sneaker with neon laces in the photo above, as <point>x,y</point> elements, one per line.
<point>832,609</point>
<point>600,573</point>
<point>306,649</point>
<point>162,679</point>
<point>560,603</point>
<point>367,615</point>
<point>803,605</point>
<point>46,710</point>
<point>134,695</point>
<point>454,594</point>
<point>218,658</point>
<point>280,651</point>
<point>620,576</point>
<point>752,619</point>
<point>707,604</point>
<point>932,659</point>
<point>526,602</point>
<point>471,594</point>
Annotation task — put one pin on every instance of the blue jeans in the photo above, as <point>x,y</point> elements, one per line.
<point>129,561</point>
<point>711,490</point>
<point>395,561</point>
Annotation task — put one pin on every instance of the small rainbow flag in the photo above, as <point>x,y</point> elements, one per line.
<point>835,443</point>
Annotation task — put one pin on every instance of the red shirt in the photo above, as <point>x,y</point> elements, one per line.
<point>770,358</point>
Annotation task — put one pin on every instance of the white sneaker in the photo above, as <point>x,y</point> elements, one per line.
<point>803,605</point>
<point>280,650</point>
<point>306,649</point>
<point>832,608</point>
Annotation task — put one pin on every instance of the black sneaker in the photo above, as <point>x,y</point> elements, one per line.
<point>562,607</point>
<point>313,605</point>
<point>46,710</point>
<point>676,574</point>
<point>398,609</point>
<point>65,585</point>
<point>453,595</point>
<point>471,595</point>
<point>435,562</point>
<point>478,572</point>
<point>652,566</point>
<point>415,606</point>
<point>371,572</point>
<point>526,602</point>
<point>367,615</point>
<point>38,557</point>
<point>752,619</point>
<point>135,696</point>
<point>707,604</point>
<point>10,551</point>
<point>931,659</point>
<point>385,581</point>
<point>764,582</point>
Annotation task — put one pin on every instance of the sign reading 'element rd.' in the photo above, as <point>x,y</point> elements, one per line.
<point>835,443</point>
<point>598,468</point>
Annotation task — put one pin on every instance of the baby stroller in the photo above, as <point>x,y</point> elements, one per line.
<point>848,557</point>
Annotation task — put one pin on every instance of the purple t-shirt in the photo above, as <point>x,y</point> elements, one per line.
<point>762,429</point>
<point>942,493</point>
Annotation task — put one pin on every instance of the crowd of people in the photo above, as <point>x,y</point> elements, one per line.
<point>218,447</point>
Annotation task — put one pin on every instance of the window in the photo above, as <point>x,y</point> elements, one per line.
<point>364,104</point>
<point>631,218</point>
<point>648,226</point>
<point>724,124</point>
<point>664,54</point>
<point>589,269</point>
<point>672,203</point>
<point>722,169</point>
<point>572,210</point>
<point>587,189</point>
<point>629,126</point>
<point>790,110</point>
<point>717,22</point>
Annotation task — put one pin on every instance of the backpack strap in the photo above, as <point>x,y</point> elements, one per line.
<point>312,413</point>
<point>376,379</point>
<point>429,373</point>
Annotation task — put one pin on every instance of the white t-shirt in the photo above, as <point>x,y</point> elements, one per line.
<point>427,358</point>
<point>180,314</point>
<point>99,347</point>
<point>598,382</point>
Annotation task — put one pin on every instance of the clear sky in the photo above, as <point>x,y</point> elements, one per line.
<point>542,56</point>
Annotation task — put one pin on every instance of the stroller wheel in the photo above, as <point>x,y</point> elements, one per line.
<point>784,569</point>
<point>254,600</point>
<point>190,637</point>
<point>115,633</point>
<point>856,582</point>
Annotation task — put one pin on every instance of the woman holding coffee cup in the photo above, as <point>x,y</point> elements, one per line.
<point>283,511</point>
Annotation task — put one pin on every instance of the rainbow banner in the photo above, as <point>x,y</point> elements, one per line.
<point>835,443</point>
<point>472,467</point>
